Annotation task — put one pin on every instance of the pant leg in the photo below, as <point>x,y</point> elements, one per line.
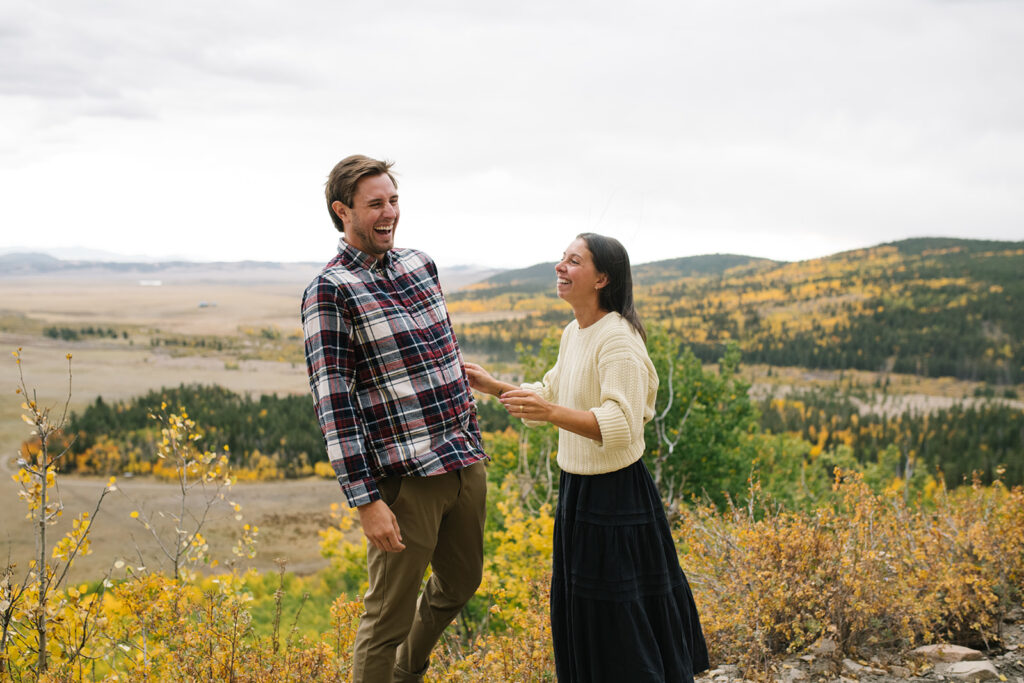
<point>457,567</point>
<point>396,578</point>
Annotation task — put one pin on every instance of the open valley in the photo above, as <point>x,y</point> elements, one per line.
<point>237,326</point>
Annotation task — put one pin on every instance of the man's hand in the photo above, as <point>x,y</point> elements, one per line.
<point>381,527</point>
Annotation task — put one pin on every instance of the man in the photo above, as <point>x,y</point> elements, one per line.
<point>399,420</point>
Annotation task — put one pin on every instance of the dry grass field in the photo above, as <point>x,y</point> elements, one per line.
<point>288,513</point>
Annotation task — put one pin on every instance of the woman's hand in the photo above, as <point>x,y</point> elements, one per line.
<point>527,405</point>
<point>530,406</point>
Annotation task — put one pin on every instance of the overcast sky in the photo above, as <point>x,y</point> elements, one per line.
<point>787,129</point>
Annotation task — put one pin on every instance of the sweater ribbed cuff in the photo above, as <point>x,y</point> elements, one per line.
<point>614,427</point>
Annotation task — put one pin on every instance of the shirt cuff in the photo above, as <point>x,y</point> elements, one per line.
<point>359,493</point>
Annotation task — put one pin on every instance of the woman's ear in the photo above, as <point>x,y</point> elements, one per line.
<point>602,280</point>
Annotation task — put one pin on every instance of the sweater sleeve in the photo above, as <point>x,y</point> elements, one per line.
<point>547,389</point>
<point>620,413</point>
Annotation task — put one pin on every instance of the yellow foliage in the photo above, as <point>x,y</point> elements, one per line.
<point>868,573</point>
<point>523,552</point>
<point>520,652</point>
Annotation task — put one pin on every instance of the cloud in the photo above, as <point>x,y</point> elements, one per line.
<point>792,128</point>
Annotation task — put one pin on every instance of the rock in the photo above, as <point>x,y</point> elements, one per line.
<point>969,670</point>
<point>723,674</point>
<point>823,648</point>
<point>900,671</point>
<point>858,669</point>
<point>791,673</point>
<point>947,653</point>
<point>729,670</point>
<point>822,667</point>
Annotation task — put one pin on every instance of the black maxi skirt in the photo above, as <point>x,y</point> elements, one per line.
<point>621,609</point>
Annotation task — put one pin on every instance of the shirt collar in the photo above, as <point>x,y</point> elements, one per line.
<point>352,256</point>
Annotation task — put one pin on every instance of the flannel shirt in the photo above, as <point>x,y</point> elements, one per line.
<point>388,379</point>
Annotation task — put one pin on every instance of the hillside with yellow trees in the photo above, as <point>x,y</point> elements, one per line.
<point>932,307</point>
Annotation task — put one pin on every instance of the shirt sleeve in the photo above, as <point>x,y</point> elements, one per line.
<point>621,413</point>
<point>330,364</point>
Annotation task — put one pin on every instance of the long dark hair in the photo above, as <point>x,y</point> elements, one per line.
<point>610,258</point>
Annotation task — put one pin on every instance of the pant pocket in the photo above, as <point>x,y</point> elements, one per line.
<point>390,488</point>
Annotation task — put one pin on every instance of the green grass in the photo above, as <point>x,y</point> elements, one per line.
<point>305,604</point>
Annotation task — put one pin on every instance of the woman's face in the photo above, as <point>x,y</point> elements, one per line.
<point>578,280</point>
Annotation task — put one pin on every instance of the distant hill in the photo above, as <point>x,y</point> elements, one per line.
<point>540,277</point>
<point>697,266</point>
<point>80,253</point>
<point>27,265</point>
<point>28,262</point>
<point>929,306</point>
<point>33,264</point>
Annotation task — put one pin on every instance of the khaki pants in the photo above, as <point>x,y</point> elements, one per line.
<point>442,523</point>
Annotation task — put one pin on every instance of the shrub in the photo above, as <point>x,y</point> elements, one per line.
<point>868,571</point>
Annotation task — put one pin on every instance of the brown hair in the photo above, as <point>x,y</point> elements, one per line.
<point>341,183</point>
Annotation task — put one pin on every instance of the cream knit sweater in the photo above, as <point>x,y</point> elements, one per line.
<point>603,368</point>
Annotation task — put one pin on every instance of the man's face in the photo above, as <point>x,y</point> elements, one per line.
<point>371,220</point>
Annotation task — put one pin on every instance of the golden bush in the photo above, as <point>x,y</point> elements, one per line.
<point>869,572</point>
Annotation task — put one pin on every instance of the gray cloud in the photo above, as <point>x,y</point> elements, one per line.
<point>798,125</point>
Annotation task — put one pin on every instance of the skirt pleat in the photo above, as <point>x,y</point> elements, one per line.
<point>621,608</point>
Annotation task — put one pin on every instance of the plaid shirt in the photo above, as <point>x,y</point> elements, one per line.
<point>386,373</point>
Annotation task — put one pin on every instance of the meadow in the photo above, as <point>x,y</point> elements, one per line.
<point>776,519</point>
<point>122,368</point>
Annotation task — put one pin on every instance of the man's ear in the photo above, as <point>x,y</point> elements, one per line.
<point>340,210</point>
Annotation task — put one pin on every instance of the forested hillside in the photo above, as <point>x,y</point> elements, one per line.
<point>273,437</point>
<point>933,307</point>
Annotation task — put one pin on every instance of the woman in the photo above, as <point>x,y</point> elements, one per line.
<point>621,609</point>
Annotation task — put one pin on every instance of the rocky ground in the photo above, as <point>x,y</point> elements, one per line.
<point>1004,662</point>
